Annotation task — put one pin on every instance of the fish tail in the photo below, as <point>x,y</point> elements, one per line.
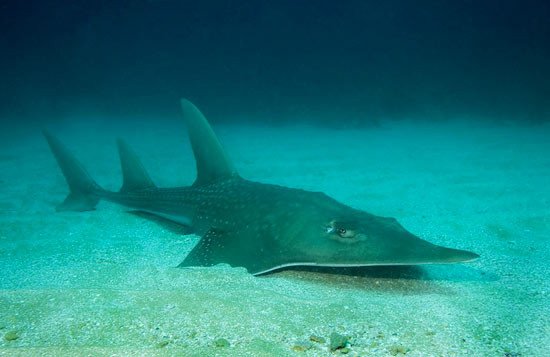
<point>84,191</point>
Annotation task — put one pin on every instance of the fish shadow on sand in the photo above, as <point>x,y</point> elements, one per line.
<point>402,280</point>
<point>408,272</point>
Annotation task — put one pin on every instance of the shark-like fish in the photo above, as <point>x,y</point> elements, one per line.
<point>260,227</point>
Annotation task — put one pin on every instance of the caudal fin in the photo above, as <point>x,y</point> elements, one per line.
<point>84,190</point>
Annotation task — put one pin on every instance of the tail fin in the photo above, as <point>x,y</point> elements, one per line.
<point>84,190</point>
<point>134,175</point>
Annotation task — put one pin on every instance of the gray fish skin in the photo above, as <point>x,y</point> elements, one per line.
<point>258,226</point>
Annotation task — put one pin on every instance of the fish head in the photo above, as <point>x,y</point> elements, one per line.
<point>349,237</point>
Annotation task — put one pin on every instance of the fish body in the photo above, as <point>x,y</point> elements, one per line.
<point>261,227</point>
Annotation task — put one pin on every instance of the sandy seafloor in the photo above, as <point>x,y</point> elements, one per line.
<point>106,283</point>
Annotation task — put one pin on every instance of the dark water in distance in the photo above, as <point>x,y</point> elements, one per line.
<point>276,60</point>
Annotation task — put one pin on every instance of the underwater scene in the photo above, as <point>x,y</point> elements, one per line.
<point>285,178</point>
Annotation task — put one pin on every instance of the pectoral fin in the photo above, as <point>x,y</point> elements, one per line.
<point>218,246</point>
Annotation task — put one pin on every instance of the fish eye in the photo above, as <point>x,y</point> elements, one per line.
<point>337,229</point>
<point>345,233</point>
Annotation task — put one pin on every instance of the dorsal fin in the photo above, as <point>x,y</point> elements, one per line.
<point>212,162</point>
<point>134,175</point>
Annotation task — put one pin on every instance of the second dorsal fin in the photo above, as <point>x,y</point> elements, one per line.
<point>212,162</point>
<point>134,175</point>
